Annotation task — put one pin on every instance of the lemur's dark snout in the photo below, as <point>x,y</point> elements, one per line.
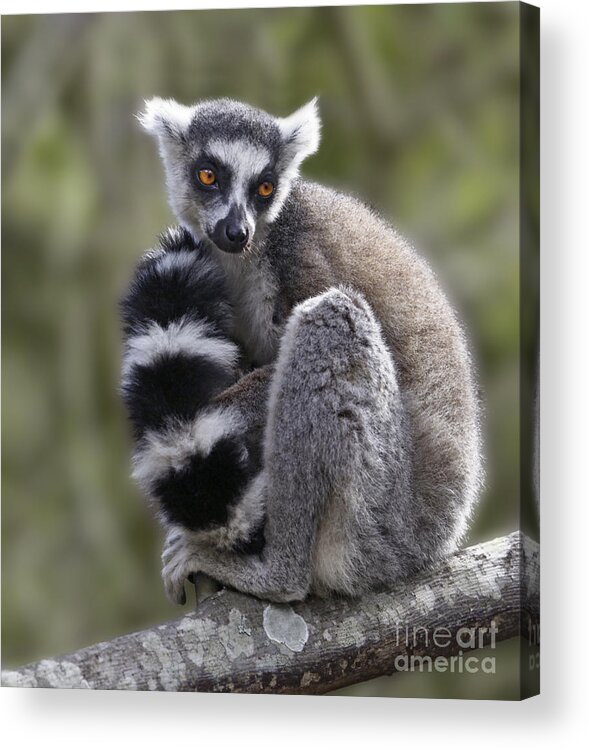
<point>237,234</point>
<point>231,234</point>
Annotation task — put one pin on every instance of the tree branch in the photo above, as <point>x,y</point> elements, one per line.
<point>237,643</point>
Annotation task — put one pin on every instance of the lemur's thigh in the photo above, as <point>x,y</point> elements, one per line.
<point>335,453</point>
<point>323,389</point>
<point>333,414</point>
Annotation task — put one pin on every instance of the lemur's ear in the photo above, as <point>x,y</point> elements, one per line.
<point>301,132</point>
<point>166,119</point>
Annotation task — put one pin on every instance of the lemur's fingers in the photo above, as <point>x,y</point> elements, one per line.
<point>172,545</point>
<point>178,564</point>
<point>174,588</point>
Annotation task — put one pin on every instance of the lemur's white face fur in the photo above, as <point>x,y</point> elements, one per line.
<point>229,167</point>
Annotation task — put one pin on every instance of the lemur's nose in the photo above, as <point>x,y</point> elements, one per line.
<point>237,233</point>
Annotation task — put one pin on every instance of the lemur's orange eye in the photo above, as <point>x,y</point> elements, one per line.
<point>207,177</point>
<point>265,189</point>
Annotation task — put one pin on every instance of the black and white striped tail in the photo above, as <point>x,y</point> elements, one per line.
<point>190,457</point>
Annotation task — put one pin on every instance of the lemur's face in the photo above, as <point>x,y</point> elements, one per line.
<point>229,167</point>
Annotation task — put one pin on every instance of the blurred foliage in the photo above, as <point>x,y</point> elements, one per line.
<point>420,113</point>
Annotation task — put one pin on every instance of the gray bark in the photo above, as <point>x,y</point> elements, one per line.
<point>238,643</point>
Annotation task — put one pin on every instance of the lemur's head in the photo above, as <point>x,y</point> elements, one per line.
<point>229,167</point>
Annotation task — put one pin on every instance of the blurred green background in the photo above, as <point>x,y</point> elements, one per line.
<point>420,113</point>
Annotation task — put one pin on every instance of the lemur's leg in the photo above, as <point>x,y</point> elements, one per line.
<point>191,456</point>
<point>334,431</point>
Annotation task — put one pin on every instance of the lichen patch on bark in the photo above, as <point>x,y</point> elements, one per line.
<point>283,625</point>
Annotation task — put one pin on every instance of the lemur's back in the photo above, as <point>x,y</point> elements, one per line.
<point>324,238</point>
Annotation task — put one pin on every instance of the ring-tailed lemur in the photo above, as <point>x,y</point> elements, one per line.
<point>348,455</point>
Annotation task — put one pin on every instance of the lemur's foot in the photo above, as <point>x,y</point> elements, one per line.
<point>179,563</point>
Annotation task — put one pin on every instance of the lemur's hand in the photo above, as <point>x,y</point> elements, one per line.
<point>179,560</point>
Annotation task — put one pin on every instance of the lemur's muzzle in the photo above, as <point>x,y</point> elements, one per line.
<point>231,233</point>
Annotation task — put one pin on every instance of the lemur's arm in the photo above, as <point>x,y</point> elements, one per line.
<point>249,398</point>
<point>191,457</point>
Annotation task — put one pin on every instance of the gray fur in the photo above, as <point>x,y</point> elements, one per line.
<point>370,460</point>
